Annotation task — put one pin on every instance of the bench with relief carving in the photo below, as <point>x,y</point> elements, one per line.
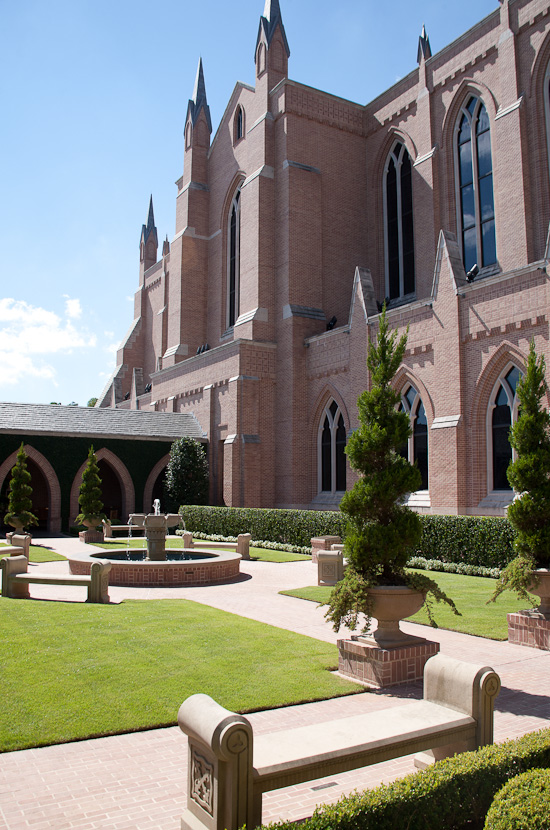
<point>230,769</point>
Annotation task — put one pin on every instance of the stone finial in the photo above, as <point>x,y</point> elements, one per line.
<point>269,21</point>
<point>424,48</point>
<point>198,102</point>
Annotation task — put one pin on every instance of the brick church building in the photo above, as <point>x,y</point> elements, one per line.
<point>301,214</point>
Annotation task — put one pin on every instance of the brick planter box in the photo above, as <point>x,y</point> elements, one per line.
<point>529,628</point>
<point>380,667</point>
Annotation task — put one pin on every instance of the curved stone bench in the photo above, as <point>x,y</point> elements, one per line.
<point>230,769</point>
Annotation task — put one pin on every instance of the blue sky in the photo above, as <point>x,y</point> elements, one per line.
<point>93,101</point>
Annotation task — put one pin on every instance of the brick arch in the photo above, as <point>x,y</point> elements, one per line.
<point>404,376</point>
<point>52,482</point>
<point>448,134</point>
<point>506,354</point>
<point>329,393</point>
<point>121,472</point>
<point>394,135</point>
<point>150,483</point>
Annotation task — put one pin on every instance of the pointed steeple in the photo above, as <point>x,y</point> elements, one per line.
<point>424,48</point>
<point>198,101</point>
<point>147,229</point>
<point>269,21</point>
<point>148,243</point>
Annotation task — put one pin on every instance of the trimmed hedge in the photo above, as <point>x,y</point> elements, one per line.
<point>454,794</point>
<point>462,540</point>
<point>469,540</point>
<point>524,801</point>
<point>292,527</point>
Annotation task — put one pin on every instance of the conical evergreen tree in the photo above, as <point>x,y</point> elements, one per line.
<point>91,504</point>
<point>20,494</point>
<point>382,532</point>
<point>529,475</point>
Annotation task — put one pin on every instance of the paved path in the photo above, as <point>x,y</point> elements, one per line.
<point>139,780</point>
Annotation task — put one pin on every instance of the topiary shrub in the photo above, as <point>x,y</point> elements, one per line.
<point>89,499</point>
<point>522,804</point>
<point>186,479</point>
<point>383,531</point>
<point>20,513</point>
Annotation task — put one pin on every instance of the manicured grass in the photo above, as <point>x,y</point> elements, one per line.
<point>470,594</point>
<point>75,670</point>
<point>39,553</point>
<point>258,554</point>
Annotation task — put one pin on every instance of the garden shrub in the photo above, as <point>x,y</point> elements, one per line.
<point>294,527</point>
<point>468,541</point>
<point>523,802</point>
<point>454,794</point>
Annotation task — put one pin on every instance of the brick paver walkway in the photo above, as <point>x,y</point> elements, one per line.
<point>138,780</point>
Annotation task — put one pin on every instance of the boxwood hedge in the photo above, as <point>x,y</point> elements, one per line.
<point>463,540</point>
<point>454,794</point>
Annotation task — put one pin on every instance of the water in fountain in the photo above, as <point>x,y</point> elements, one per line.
<point>129,539</point>
<point>156,507</point>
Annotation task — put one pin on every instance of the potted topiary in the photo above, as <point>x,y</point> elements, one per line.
<point>529,475</point>
<point>382,531</point>
<point>20,513</point>
<point>91,505</point>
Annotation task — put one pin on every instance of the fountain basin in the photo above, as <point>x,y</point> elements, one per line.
<point>209,567</point>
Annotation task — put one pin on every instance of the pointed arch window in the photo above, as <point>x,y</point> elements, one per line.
<point>502,413</point>
<point>416,450</point>
<point>476,207</point>
<point>233,259</point>
<point>400,276</point>
<point>331,450</point>
<point>238,125</point>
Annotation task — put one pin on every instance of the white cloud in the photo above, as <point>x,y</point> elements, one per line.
<point>31,338</point>
<point>73,309</point>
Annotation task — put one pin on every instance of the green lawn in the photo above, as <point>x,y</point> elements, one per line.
<point>257,554</point>
<point>75,670</point>
<point>470,594</point>
<point>39,553</point>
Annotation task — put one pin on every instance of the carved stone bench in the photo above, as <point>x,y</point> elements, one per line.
<point>19,543</point>
<point>16,579</point>
<point>229,769</point>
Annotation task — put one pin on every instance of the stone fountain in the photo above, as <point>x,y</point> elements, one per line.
<point>156,530</point>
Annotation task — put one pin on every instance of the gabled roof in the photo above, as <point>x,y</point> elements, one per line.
<point>81,421</point>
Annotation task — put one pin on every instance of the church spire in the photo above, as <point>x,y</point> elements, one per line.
<point>198,101</point>
<point>148,244</point>
<point>424,48</point>
<point>150,226</point>
<point>269,21</point>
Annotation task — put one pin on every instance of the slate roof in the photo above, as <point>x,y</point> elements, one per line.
<point>77,421</point>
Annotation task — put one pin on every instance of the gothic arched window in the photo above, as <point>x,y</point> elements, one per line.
<point>331,446</point>
<point>502,413</point>
<point>476,207</point>
<point>238,125</point>
<point>417,448</point>
<point>233,259</point>
<point>400,278</point>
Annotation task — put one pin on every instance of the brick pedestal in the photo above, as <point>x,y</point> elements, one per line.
<point>380,667</point>
<point>529,628</point>
<point>91,537</point>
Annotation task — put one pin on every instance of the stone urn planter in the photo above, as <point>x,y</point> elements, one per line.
<point>390,605</point>
<point>91,522</point>
<point>542,590</point>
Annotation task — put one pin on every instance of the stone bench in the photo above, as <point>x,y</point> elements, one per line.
<point>19,543</point>
<point>241,546</point>
<point>16,579</point>
<point>230,769</point>
<point>109,529</point>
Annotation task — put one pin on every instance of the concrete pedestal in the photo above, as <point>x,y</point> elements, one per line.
<point>91,537</point>
<point>380,667</point>
<point>529,628</point>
